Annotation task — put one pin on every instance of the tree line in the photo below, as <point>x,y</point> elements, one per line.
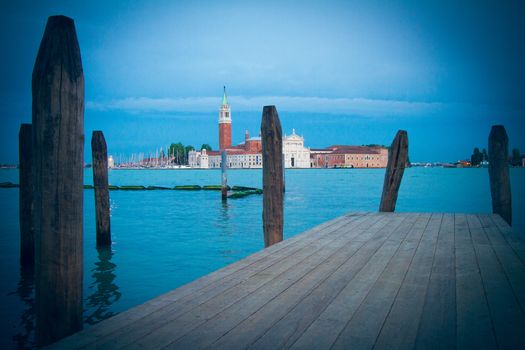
<point>179,152</point>
<point>478,157</point>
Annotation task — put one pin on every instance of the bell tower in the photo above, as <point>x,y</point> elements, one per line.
<point>225,124</point>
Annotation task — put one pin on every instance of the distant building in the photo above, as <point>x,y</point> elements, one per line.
<point>342,156</point>
<point>523,160</point>
<point>111,162</point>
<point>198,159</point>
<point>294,152</point>
<point>248,154</point>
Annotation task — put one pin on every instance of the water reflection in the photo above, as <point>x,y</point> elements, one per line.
<point>225,216</point>
<point>25,338</point>
<point>104,290</point>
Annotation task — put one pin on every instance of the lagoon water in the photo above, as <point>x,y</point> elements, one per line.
<point>163,239</point>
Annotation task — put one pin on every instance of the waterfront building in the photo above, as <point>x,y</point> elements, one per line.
<point>248,154</point>
<point>198,159</point>
<point>111,162</point>
<point>294,152</point>
<point>237,159</point>
<point>319,157</point>
<point>342,156</point>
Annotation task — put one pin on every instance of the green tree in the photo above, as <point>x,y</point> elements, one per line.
<point>516,157</point>
<point>476,158</point>
<point>485,155</point>
<point>177,152</point>
<point>187,149</point>
<point>206,147</point>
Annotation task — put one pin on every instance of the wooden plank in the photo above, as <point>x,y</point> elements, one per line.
<point>499,173</point>
<point>512,265</point>
<point>399,331</point>
<point>259,288</point>
<point>474,325</point>
<point>384,280</point>
<point>58,135</point>
<point>217,281</point>
<point>99,153</point>
<point>323,332</point>
<point>294,322</point>
<point>514,239</point>
<point>220,297</point>
<point>397,159</point>
<point>437,328</point>
<point>255,326</point>
<point>263,311</point>
<point>25,173</point>
<point>272,155</point>
<point>383,312</point>
<point>507,317</point>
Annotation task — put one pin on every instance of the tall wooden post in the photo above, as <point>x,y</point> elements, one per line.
<point>397,159</point>
<point>272,154</point>
<point>58,141</point>
<point>499,173</point>
<point>99,152</point>
<point>224,176</point>
<point>25,157</point>
<point>284,175</point>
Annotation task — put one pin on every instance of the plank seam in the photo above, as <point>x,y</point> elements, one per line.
<point>368,293</point>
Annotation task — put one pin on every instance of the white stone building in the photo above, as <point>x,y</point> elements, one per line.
<point>198,159</point>
<point>295,154</point>
<point>111,162</point>
<point>237,160</point>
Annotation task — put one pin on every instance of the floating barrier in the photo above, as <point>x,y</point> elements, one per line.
<point>158,188</point>
<point>237,191</point>
<point>241,194</point>
<point>243,188</point>
<point>132,188</point>
<point>188,188</point>
<point>214,188</point>
<point>8,185</point>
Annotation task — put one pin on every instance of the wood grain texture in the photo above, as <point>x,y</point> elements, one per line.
<point>499,173</point>
<point>376,280</point>
<point>397,159</point>
<point>25,173</point>
<point>272,149</point>
<point>99,152</point>
<point>58,141</point>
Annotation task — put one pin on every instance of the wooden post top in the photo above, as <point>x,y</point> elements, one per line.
<point>59,48</point>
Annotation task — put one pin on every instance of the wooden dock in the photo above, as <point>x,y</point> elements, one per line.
<point>363,280</point>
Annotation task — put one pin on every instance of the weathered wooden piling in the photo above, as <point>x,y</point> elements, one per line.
<point>224,176</point>
<point>99,152</point>
<point>397,159</point>
<point>58,145</point>
<point>499,173</point>
<point>25,157</point>
<point>284,175</point>
<point>273,181</point>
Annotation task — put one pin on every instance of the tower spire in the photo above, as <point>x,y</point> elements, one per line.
<point>224,98</point>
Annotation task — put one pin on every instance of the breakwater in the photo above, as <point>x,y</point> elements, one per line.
<point>234,191</point>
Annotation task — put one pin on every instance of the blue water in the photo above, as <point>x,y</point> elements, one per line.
<point>163,239</point>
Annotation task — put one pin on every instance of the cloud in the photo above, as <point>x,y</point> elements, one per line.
<point>351,106</point>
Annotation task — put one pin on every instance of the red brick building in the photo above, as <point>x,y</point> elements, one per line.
<point>342,156</point>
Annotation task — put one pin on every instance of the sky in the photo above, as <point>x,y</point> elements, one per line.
<point>339,72</point>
